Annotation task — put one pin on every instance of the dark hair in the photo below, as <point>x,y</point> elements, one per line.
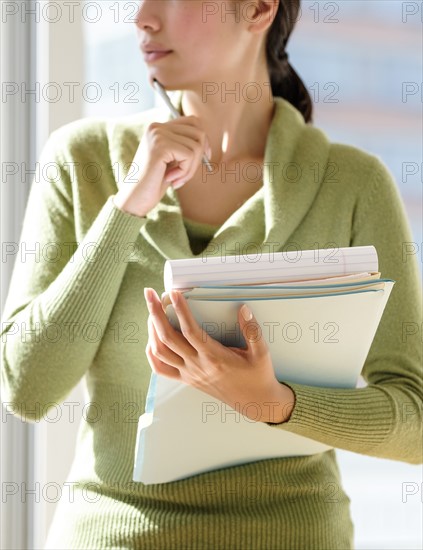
<point>284,80</point>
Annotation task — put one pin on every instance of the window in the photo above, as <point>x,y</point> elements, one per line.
<point>370,49</point>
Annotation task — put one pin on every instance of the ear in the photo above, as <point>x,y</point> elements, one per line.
<point>263,15</point>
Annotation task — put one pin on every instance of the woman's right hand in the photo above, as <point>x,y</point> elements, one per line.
<point>169,154</point>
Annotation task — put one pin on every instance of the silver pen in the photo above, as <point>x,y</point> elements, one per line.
<point>162,92</point>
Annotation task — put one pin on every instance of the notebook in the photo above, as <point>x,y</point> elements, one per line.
<point>318,323</point>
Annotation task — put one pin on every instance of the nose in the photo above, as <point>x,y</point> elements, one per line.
<point>147,15</point>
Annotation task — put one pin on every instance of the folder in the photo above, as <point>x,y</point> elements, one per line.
<point>318,329</point>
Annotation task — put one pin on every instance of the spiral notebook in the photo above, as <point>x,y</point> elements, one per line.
<point>318,323</point>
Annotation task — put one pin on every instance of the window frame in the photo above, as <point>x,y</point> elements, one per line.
<point>30,56</point>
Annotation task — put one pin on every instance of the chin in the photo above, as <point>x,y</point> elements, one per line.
<point>164,81</point>
<point>175,84</point>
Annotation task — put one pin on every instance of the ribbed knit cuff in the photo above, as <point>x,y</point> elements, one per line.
<point>356,419</point>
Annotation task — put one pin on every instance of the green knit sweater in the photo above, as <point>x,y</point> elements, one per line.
<point>82,298</point>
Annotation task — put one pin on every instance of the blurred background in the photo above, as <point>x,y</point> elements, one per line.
<point>362,64</point>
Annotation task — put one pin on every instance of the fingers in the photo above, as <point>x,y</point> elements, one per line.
<point>159,367</point>
<point>161,351</point>
<point>197,132</point>
<point>252,332</point>
<point>165,299</point>
<point>162,359</point>
<point>196,123</point>
<point>195,335</point>
<point>189,144</point>
<point>188,147</point>
<point>188,154</point>
<point>169,337</point>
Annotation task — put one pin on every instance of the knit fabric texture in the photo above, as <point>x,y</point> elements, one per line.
<point>76,309</point>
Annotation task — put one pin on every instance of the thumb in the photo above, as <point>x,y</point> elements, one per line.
<point>251,330</point>
<point>165,299</point>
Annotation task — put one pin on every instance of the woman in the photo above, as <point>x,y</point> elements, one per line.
<point>106,229</point>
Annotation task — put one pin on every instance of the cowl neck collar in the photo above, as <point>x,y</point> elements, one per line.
<point>295,158</point>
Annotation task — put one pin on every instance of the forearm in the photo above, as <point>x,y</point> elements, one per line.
<point>48,345</point>
<point>383,420</point>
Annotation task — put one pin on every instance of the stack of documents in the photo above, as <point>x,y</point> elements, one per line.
<point>318,311</point>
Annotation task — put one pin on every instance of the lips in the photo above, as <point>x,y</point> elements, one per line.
<point>154,50</point>
<point>153,56</point>
<point>153,47</point>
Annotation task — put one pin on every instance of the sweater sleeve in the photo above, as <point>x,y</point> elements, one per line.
<point>61,293</point>
<point>384,418</point>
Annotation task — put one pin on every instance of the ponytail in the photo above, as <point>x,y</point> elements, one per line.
<point>284,80</point>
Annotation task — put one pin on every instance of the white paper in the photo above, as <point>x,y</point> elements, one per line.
<point>270,267</point>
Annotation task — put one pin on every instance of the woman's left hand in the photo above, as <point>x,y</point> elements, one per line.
<point>243,378</point>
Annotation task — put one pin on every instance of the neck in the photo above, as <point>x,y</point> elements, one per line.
<point>235,117</point>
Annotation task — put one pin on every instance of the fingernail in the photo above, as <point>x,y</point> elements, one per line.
<point>246,313</point>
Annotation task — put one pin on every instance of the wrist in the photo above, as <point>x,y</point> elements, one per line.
<point>278,408</point>
<point>125,205</point>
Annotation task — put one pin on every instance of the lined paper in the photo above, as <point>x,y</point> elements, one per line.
<point>270,267</point>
